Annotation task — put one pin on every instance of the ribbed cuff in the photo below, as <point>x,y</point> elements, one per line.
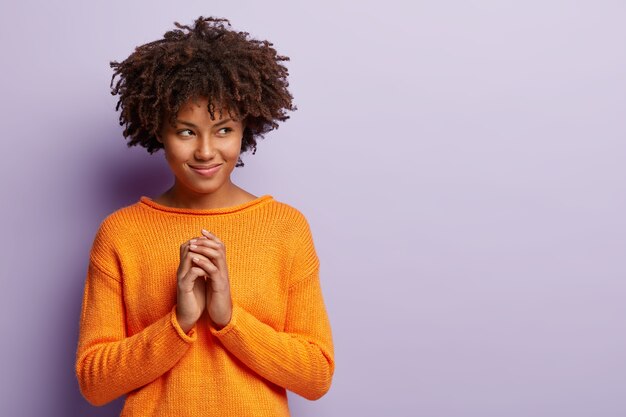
<point>192,336</point>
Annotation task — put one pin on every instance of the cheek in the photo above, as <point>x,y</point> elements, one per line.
<point>180,151</point>
<point>234,148</point>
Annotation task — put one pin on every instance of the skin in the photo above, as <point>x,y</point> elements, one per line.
<point>197,139</point>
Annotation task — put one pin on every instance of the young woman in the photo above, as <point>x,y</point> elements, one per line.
<point>206,300</point>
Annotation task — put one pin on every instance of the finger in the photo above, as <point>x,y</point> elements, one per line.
<point>216,243</point>
<point>211,236</point>
<point>185,246</point>
<point>188,260</point>
<point>208,266</point>
<point>185,264</point>
<point>184,249</point>
<point>188,281</point>
<point>213,250</point>
<point>205,241</point>
<point>199,274</point>
<point>211,253</point>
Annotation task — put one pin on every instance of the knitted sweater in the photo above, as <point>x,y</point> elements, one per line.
<point>278,338</point>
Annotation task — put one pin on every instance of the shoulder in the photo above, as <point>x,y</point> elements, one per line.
<point>297,236</point>
<point>110,240</point>
<point>289,216</point>
<point>294,230</point>
<point>115,228</point>
<point>120,220</point>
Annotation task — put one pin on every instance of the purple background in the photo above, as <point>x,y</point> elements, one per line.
<point>461,164</point>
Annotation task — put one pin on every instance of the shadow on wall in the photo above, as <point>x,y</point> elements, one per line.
<point>126,174</point>
<point>115,178</point>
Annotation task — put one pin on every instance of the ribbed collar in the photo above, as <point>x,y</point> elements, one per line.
<point>249,205</point>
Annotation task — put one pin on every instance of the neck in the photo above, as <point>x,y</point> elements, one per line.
<point>180,197</point>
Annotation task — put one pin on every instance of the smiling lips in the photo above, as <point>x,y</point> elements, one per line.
<point>206,171</point>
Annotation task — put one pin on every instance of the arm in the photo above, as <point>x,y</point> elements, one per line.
<point>300,359</point>
<point>109,364</point>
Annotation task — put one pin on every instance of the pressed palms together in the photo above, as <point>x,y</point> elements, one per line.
<point>203,282</point>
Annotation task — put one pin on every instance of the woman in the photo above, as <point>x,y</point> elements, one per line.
<point>205,300</point>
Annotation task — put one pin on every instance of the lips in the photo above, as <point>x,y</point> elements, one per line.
<point>206,171</point>
<point>204,166</point>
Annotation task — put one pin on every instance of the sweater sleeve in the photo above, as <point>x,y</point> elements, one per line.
<point>300,358</point>
<point>108,363</point>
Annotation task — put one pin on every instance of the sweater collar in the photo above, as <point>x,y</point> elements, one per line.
<point>150,203</point>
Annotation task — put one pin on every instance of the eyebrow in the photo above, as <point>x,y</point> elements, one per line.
<point>182,122</point>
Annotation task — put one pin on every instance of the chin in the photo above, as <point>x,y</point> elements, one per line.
<point>206,188</point>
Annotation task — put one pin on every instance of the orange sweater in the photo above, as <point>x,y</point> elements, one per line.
<point>279,336</point>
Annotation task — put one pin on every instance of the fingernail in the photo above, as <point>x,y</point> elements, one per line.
<point>193,240</point>
<point>206,231</point>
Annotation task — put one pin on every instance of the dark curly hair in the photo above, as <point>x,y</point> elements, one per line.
<point>243,76</point>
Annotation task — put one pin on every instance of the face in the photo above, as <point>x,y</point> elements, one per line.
<point>200,151</point>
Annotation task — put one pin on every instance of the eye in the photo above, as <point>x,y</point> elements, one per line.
<point>227,129</point>
<point>185,132</point>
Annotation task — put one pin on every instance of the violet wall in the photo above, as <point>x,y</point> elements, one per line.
<point>461,164</point>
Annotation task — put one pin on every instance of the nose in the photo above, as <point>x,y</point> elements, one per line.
<point>205,149</point>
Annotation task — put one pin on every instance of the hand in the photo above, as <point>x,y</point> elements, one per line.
<point>218,298</point>
<point>191,288</point>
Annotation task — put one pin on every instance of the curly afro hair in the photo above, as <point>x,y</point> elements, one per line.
<point>243,76</point>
